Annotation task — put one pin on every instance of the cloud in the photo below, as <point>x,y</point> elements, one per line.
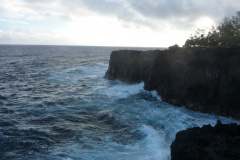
<point>31,36</point>
<point>150,13</point>
<point>63,19</point>
<point>159,14</point>
<point>12,21</point>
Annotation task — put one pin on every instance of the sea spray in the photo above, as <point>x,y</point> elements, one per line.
<point>155,144</point>
<point>123,90</point>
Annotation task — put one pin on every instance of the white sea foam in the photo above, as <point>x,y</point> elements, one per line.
<point>155,94</point>
<point>73,75</point>
<point>154,144</point>
<point>93,70</point>
<point>123,90</point>
<point>152,147</point>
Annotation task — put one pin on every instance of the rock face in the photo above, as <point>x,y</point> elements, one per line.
<point>207,143</point>
<point>206,80</point>
<point>130,66</point>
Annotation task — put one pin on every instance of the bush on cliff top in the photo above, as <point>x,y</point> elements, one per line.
<point>227,33</point>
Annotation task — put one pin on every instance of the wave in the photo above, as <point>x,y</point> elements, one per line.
<point>121,90</point>
<point>78,74</point>
<point>154,144</point>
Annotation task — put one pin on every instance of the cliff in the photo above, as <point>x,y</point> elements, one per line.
<point>206,80</point>
<point>207,143</point>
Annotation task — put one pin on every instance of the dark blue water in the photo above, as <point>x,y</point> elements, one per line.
<point>56,105</point>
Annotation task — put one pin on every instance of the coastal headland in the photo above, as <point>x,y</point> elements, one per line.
<point>205,80</point>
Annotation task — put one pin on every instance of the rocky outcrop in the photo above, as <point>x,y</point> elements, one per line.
<point>130,66</point>
<point>207,143</point>
<point>206,80</point>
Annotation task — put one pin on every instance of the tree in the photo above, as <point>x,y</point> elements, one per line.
<point>229,30</point>
<point>174,47</point>
<point>227,33</point>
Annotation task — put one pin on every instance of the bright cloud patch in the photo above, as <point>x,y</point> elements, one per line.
<point>108,22</point>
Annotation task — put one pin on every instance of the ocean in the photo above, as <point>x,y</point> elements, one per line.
<point>56,105</point>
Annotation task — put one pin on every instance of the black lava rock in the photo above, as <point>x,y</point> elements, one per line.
<point>206,80</point>
<point>221,142</point>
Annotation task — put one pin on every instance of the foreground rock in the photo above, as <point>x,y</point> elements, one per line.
<point>206,80</point>
<point>221,142</point>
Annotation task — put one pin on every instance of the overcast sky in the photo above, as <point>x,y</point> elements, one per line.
<point>146,23</point>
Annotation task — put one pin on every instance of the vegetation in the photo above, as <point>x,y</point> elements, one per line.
<point>174,47</point>
<point>227,33</point>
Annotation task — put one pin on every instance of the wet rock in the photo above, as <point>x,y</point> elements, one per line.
<point>207,143</point>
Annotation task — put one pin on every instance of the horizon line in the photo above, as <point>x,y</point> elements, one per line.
<point>79,45</point>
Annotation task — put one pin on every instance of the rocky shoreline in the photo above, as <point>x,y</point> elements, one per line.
<point>205,80</point>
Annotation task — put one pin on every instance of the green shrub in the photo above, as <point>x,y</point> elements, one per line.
<point>227,33</point>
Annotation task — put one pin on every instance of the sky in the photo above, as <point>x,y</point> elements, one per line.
<point>139,23</point>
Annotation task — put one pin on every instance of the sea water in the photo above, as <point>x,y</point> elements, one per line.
<point>56,105</point>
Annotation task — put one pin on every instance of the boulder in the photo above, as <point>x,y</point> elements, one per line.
<point>221,142</point>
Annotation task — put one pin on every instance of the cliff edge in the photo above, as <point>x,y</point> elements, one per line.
<point>206,80</point>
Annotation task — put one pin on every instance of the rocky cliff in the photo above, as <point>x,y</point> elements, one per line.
<point>206,80</point>
<point>207,143</point>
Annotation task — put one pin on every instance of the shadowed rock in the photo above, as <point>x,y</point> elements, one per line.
<point>206,80</point>
<point>207,143</point>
